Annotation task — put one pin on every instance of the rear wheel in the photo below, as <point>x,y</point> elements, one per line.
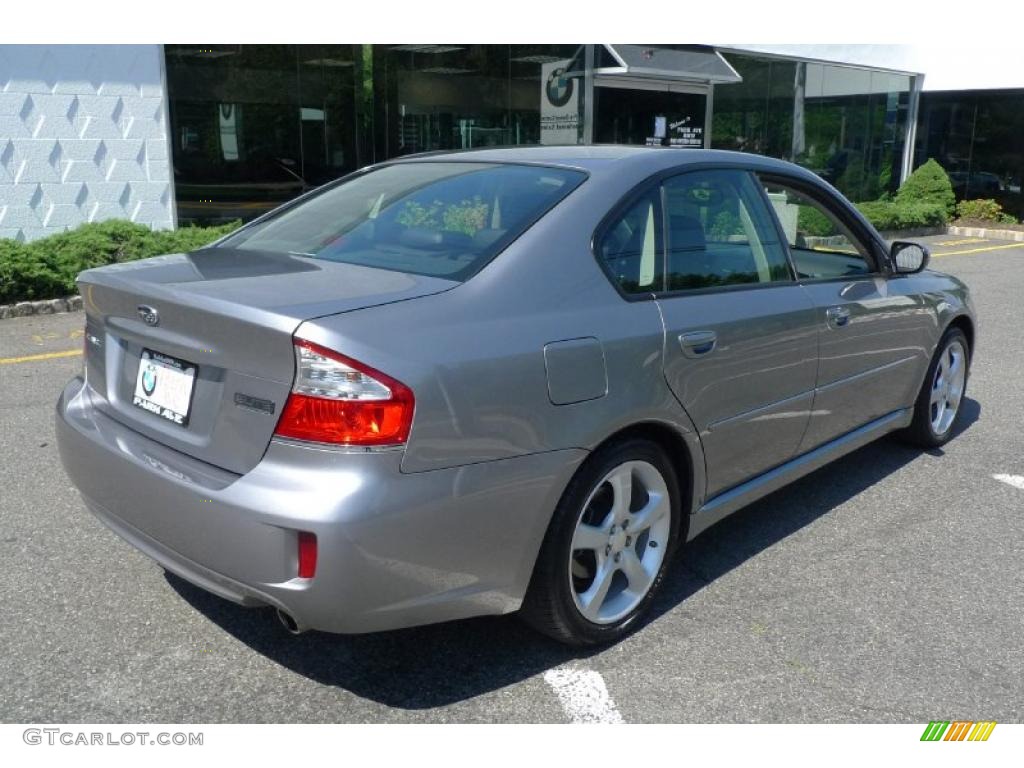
<point>938,403</point>
<point>607,547</point>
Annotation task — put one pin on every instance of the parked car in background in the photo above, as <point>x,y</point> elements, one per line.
<point>497,381</point>
<point>977,183</point>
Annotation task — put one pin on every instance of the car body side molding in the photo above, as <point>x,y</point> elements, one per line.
<point>727,502</point>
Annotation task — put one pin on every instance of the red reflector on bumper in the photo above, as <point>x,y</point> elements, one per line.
<point>307,555</point>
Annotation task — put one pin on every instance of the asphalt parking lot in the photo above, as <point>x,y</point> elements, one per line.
<point>888,587</point>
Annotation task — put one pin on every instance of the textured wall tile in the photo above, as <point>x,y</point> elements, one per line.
<point>82,137</point>
<point>63,194</point>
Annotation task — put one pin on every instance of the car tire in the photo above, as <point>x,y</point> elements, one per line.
<point>604,557</point>
<point>939,402</point>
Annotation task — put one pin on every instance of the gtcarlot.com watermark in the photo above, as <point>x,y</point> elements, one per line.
<point>71,738</point>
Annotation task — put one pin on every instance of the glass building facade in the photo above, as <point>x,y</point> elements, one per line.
<point>254,125</point>
<point>978,137</point>
<point>847,124</point>
<point>432,97</point>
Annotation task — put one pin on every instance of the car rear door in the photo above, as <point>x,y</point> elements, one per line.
<point>740,333</point>
<point>873,340</point>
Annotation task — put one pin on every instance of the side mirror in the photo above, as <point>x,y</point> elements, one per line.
<point>909,258</point>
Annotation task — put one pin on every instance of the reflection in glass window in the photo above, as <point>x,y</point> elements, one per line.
<point>846,124</point>
<point>256,125</point>
<point>437,97</point>
<point>720,233</point>
<point>631,248</point>
<point>978,137</point>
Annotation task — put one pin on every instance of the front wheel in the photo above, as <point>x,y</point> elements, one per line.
<point>607,547</point>
<point>938,403</point>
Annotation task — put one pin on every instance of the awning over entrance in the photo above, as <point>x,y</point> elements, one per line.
<point>697,64</point>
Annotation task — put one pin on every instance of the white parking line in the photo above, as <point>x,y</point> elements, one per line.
<point>583,695</point>
<point>1017,481</point>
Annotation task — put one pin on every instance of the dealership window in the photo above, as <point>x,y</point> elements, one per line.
<point>844,123</point>
<point>441,97</point>
<point>978,137</point>
<point>255,125</point>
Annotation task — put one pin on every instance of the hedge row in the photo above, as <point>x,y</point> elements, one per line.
<point>892,214</point>
<point>883,214</point>
<point>925,200</point>
<point>46,268</point>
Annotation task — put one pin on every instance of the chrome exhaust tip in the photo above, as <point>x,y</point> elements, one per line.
<point>289,623</point>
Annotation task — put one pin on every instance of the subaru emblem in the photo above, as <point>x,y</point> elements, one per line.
<point>149,314</point>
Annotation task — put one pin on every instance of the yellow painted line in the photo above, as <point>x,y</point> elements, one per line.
<point>964,242</point>
<point>980,250</point>
<point>43,356</point>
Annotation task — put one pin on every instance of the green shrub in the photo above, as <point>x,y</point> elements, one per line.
<point>928,184</point>
<point>812,222</point>
<point>47,268</point>
<point>894,215</point>
<point>983,210</point>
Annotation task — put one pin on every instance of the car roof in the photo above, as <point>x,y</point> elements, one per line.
<point>603,157</point>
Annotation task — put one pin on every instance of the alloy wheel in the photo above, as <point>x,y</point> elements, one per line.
<point>620,542</point>
<point>948,387</point>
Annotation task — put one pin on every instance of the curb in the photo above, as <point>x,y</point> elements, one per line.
<point>988,234</point>
<point>900,234</point>
<point>45,307</point>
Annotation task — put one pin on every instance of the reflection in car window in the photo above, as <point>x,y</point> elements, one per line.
<point>720,232</point>
<point>822,246</point>
<point>631,247</point>
<point>443,219</point>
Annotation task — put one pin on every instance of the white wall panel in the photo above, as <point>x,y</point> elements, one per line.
<point>83,137</point>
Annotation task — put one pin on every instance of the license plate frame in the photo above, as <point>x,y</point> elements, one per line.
<point>165,386</point>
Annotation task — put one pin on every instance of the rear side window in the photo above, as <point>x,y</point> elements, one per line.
<point>631,248</point>
<point>438,219</point>
<point>720,232</point>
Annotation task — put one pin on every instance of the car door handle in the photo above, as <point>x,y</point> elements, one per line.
<point>837,316</point>
<point>698,343</point>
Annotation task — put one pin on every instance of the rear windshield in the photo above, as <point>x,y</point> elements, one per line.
<point>433,218</point>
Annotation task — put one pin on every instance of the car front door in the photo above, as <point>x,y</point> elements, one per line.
<point>740,333</point>
<point>873,338</point>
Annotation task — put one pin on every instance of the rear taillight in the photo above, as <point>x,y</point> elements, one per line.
<point>338,400</point>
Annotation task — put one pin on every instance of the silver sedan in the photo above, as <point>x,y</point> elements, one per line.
<point>499,381</point>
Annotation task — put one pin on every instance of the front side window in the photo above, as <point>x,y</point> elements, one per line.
<point>442,219</point>
<point>720,233</point>
<point>822,246</point>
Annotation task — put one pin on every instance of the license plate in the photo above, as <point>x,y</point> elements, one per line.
<point>164,386</point>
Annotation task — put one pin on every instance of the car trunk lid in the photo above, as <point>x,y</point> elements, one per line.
<point>230,316</point>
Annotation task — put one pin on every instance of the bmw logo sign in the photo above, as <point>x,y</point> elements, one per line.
<point>559,87</point>
<point>149,379</point>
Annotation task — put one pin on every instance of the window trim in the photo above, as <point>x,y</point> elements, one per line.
<point>836,204</point>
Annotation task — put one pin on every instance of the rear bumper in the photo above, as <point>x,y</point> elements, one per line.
<point>394,549</point>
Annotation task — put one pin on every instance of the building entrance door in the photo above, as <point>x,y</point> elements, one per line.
<point>653,114</point>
